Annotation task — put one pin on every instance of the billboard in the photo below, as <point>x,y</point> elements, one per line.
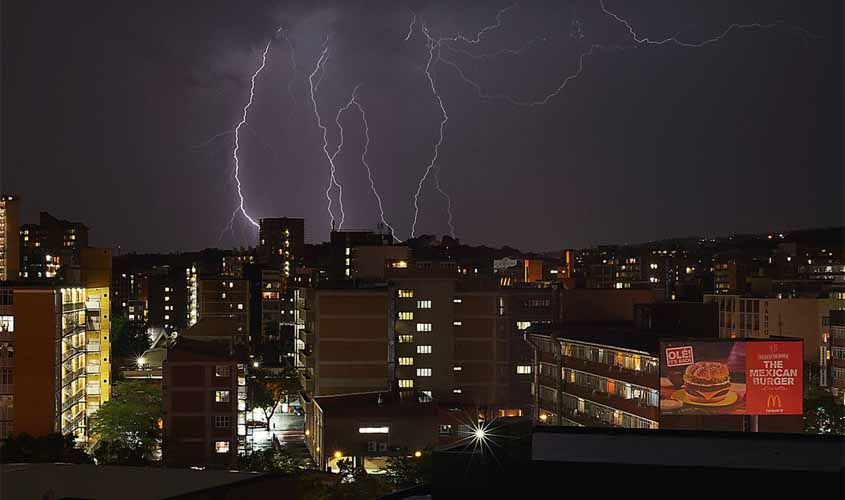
<point>731,377</point>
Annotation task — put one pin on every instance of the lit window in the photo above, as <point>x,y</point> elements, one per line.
<point>222,421</point>
<point>406,383</point>
<point>523,369</point>
<point>406,315</point>
<point>7,324</point>
<point>373,430</point>
<point>423,349</point>
<point>221,446</point>
<point>457,301</point>
<point>423,304</point>
<point>223,295</point>
<point>221,396</point>
<point>423,327</point>
<point>522,325</point>
<point>166,317</point>
<point>240,307</point>
<point>406,339</point>
<point>457,323</point>
<point>167,298</point>
<point>222,371</point>
<point>457,391</point>
<point>348,251</point>
<point>407,361</point>
<point>445,429</point>
<point>406,294</point>
<point>457,368</point>
<point>423,372</point>
<point>167,289</point>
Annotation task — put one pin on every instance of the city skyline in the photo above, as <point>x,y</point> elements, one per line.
<point>642,125</point>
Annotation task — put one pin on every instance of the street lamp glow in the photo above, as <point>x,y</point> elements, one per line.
<point>338,454</point>
<point>255,364</point>
<point>140,361</point>
<point>418,454</point>
<point>479,434</point>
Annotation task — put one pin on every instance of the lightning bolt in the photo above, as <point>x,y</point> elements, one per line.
<point>320,68</point>
<point>433,47</point>
<point>240,208</point>
<point>367,165</point>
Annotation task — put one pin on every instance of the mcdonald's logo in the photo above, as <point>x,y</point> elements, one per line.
<point>774,401</point>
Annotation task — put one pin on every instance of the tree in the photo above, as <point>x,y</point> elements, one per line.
<point>356,484</point>
<point>822,413</point>
<point>127,426</point>
<point>270,460</point>
<point>127,342</point>
<point>268,387</point>
<point>50,448</point>
<point>406,471</point>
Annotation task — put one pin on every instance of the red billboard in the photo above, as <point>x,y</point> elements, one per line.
<point>744,377</point>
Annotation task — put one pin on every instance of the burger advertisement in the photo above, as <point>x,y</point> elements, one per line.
<point>731,377</point>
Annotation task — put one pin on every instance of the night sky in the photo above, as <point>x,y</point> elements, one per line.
<point>108,108</point>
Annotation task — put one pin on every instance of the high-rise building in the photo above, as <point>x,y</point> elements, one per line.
<point>343,247</point>
<point>50,246</point>
<point>281,240</point>
<point>220,297</point>
<point>55,351</point>
<point>9,237</point>
<point>761,317</point>
<point>346,340</point>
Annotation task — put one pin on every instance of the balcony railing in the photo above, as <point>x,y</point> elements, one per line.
<point>644,379</point>
<point>67,403</point>
<point>632,406</point>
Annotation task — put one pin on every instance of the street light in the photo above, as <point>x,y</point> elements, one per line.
<point>417,454</point>
<point>338,454</point>
<point>140,361</point>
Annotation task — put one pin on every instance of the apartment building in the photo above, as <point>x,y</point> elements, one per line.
<point>55,351</point>
<point>205,402</point>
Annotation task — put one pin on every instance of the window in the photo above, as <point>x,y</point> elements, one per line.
<point>405,315</point>
<point>522,325</point>
<point>222,371</point>
<point>457,368</point>
<point>223,295</point>
<point>221,396</point>
<point>523,369</point>
<point>457,323</point>
<point>423,349</point>
<point>7,297</point>
<point>373,430</point>
<point>423,327</point>
<point>7,324</point>
<point>457,391</point>
<point>457,301</point>
<point>445,429</point>
<point>240,307</point>
<point>406,361</point>
<point>423,372</point>
<point>406,383</point>
<point>222,421</point>
<point>221,446</point>
<point>423,304</point>
<point>425,397</point>
<point>7,376</point>
<point>406,339</point>
<point>406,294</point>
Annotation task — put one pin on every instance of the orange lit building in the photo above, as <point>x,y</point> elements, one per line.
<point>55,351</point>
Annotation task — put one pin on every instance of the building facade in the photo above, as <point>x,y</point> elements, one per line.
<point>9,237</point>
<point>205,403</point>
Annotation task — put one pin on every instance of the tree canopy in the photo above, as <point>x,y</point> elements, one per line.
<point>822,413</point>
<point>269,386</point>
<point>49,448</point>
<point>127,426</point>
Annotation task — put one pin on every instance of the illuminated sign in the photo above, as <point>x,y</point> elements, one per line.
<point>744,377</point>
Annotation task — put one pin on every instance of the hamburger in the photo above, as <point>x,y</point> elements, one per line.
<point>707,382</point>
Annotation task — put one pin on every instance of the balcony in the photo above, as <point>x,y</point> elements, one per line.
<point>584,419</point>
<point>644,379</point>
<point>92,347</point>
<point>73,306</point>
<point>548,405</point>
<point>548,381</point>
<point>71,352</point>
<point>632,406</point>
<point>72,400</point>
